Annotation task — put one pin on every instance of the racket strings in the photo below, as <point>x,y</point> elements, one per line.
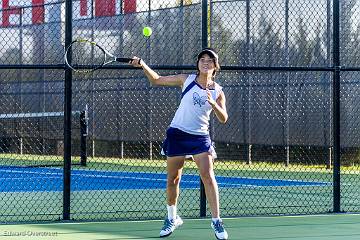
<point>86,56</point>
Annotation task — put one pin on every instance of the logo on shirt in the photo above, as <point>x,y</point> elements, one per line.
<point>199,100</point>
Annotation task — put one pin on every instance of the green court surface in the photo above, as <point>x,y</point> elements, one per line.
<point>318,227</point>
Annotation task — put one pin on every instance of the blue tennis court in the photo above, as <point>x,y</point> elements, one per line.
<point>20,179</point>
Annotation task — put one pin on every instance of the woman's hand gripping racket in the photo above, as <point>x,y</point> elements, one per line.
<point>88,56</point>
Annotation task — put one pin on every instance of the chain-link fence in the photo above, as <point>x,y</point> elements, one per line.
<point>277,154</point>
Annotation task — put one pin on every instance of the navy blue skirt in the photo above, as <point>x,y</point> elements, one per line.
<point>179,143</point>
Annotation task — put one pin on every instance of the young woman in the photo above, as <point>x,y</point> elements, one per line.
<point>188,133</point>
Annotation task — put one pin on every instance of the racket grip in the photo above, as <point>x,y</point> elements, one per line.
<point>124,60</point>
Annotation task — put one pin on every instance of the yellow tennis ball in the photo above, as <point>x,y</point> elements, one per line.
<point>147,31</point>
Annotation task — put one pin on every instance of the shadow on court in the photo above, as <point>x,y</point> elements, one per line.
<point>318,227</point>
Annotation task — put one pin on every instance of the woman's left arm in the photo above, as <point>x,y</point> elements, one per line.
<point>219,106</point>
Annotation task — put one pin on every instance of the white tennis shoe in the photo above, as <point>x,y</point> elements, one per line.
<point>170,226</point>
<point>220,232</point>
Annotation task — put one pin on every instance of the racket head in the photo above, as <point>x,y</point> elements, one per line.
<point>83,55</point>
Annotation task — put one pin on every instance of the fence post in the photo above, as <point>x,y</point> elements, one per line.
<point>336,105</point>
<point>67,116</point>
<point>204,43</point>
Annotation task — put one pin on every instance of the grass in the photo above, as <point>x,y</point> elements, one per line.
<point>160,164</point>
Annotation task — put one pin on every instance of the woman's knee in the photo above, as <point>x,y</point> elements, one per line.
<point>173,180</point>
<point>208,178</point>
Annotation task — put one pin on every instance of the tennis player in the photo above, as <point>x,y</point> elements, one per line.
<point>188,133</point>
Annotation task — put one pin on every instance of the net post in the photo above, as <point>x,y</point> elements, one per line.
<point>122,149</point>
<point>21,146</point>
<point>83,137</point>
<point>151,150</point>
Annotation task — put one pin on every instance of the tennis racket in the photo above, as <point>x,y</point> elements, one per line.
<point>88,56</point>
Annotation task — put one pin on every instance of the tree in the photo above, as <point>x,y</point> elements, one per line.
<point>347,9</point>
<point>267,44</point>
<point>302,48</point>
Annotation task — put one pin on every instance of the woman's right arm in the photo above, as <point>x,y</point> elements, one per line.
<point>155,78</point>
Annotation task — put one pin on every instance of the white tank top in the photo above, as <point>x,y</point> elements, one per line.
<point>193,113</point>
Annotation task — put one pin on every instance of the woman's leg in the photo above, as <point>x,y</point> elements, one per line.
<point>174,171</point>
<point>204,161</point>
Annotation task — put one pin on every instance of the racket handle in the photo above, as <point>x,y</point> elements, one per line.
<point>126,60</point>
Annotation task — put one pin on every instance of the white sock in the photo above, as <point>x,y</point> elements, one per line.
<point>171,211</point>
<point>216,219</point>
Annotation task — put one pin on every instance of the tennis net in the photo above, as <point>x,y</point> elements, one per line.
<point>36,139</point>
